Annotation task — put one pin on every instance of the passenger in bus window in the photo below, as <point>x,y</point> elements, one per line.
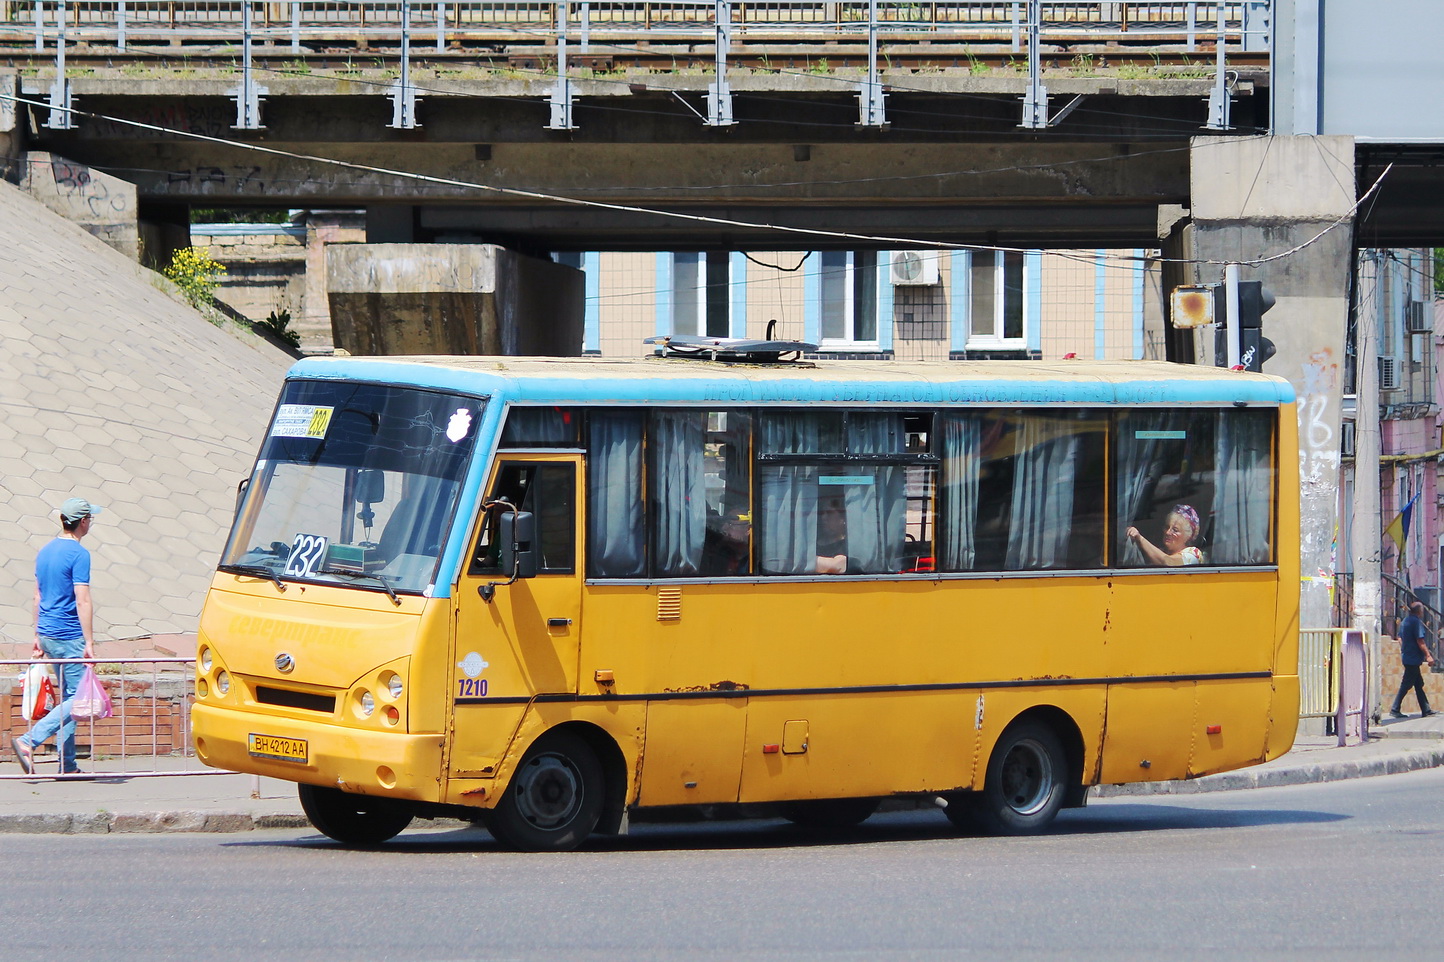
<point>831,536</point>
<point>1178,537</point>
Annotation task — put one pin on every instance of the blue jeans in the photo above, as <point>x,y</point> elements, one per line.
<point>58,718</point>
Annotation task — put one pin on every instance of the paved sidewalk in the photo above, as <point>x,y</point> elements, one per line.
<point>120,802</point>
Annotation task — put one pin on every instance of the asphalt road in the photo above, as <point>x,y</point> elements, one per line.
<point>1341,870</point>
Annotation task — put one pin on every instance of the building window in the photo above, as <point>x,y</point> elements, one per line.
<point>995,318</point>
<point>702,293</point>
<point>849,297</point>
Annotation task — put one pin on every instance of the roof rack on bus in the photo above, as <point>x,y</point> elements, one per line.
<point>735,349</point>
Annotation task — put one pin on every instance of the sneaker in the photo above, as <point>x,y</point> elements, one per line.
<point>1396,713</point>
<point>23,754</point>
<point>1427,712</point>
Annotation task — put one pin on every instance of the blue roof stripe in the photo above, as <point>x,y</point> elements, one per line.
<point>835,384</point>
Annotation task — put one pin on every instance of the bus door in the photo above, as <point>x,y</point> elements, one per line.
<point>519,639</point>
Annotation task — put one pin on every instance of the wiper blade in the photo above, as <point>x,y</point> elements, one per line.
<point>260,571</point>
<point>376,579</point>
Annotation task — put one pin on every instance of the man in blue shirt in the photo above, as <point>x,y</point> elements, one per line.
<point>1414,652</point>
<point>64,615</point>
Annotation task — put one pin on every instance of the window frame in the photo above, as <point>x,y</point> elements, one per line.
<point>997,338</point>
<point>851,277</point>
<point>698,295</point>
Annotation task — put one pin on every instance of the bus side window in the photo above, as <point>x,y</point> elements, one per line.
<point>548,491</point>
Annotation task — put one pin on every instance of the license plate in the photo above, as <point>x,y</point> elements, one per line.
<point>277,747</point>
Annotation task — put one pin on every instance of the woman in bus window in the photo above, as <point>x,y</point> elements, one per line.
<point>1178,537</point>
<point>831,536</point>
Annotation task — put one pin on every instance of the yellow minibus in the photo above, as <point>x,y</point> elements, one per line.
<point>545,594</point>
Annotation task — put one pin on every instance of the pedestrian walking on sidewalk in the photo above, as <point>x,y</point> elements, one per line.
<point>64,616</point>
<point>1414,653</point>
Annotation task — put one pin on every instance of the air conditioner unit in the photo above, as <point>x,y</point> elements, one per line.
<point>1346,440</point>
<point>1419,317</point>
<point>914,268</point>
<point>1388,373</point>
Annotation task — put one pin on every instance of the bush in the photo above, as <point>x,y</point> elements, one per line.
<point>196,273</point>
<point>279,323</point>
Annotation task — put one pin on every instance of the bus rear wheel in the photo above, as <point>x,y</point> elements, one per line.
<point>352,819</point>
<point>555,797</point>
<point>1025,783</point>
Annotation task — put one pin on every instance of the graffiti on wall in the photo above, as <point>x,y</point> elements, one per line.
<point>74,183</point>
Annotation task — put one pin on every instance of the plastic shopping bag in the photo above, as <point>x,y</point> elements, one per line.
<point>37,692</point>
<point>91,699</point>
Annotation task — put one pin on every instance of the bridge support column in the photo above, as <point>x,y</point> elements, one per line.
<point>452,299</point>
<point>1260,196</point>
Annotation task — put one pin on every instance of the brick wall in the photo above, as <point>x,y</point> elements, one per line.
<point>1392,672</point>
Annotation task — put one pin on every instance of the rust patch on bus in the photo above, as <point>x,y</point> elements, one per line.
<point>715,686</point>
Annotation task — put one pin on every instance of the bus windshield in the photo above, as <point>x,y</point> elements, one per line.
<point>356,484</point>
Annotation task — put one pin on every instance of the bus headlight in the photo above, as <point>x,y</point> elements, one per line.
<point>223,681</point>
<point>206,661</point>
<point>202,689</point>
<point>368,704</point>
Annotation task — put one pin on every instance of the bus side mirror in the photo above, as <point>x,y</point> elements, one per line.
<point>517,535</point>
<point>241,494</point>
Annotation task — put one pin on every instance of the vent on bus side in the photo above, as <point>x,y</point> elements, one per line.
<point>287,698</point>
<point>669,603</point>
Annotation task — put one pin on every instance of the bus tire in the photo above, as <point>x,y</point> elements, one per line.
<point>555,797</point>
<point>1025,784</point>
<point>352,819</point>
<point>830,812</point>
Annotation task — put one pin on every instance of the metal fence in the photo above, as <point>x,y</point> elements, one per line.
<point>1244,24</point>
<point>148,732</point>
<point>1334,678</point>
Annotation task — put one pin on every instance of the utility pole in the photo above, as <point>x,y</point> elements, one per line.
<point>1365,536</point>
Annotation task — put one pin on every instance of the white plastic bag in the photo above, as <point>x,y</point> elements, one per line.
<point>37,692</point>
<point>91,699</point>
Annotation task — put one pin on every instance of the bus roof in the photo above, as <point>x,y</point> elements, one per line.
<point>656,380</point>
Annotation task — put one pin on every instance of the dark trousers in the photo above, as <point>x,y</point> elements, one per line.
<point>1414,679</point>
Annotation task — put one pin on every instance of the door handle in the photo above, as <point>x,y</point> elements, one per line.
<point>558,622</point>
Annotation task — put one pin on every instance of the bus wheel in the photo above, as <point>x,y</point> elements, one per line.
<point>830,812</point>
<point>554,799</point>
<point>352,819</point>
<point>1024,787</point>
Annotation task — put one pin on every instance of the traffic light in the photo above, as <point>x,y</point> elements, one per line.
<point>1254,300</point>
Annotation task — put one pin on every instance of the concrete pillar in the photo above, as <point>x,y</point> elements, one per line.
<point>10,140</point>
<point>1258,196</point>
<point>105,206</point>
<point>452,299</point>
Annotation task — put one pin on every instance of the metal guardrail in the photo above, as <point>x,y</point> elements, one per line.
<point>1245,24</point>
<point>1334,678</point>
<point>148,734</point>
<point>1318,671</point>
<point>734,27</point>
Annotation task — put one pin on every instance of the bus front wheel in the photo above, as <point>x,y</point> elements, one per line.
<point>555,797</point>
<point>1025,783</point>
<point>352,819</point>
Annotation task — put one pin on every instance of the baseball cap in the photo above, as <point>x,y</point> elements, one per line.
<point>76,508</point>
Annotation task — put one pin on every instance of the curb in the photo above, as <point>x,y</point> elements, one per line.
<point>1273,778</point>
<point>110,823</point>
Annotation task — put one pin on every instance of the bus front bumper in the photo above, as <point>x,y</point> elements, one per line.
<point>388,764</point>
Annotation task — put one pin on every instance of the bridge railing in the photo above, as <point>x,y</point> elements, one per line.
<point>997,24</point>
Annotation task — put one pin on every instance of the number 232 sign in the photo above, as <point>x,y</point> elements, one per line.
<point>305,557</point>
